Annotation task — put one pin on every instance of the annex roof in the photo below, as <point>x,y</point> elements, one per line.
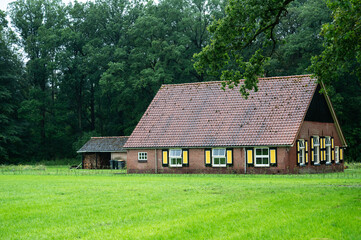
<point>204,115</point>
<point>104,144</point>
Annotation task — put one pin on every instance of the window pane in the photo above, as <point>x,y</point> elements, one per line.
<point>315,141</point>
<point>265,151</point>
<point>179,161</point>
<point>222,152</point>
<point>258,160</point>
<point>265,160</point>
<point>175,153</point>
<point>328,141</point>
<point>215,152</point>
<point>216,160</point>
<point>223,161</point>
<point>258,151</point>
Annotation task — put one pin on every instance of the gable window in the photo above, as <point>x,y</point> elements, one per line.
<point>302,151</point>
<point>328,150</point>
<point>316,150</point>
<point>175,157</point>
<point>142,156</point>
<point>219,157</point>
<point>261,157</point>
<point>337,156</point>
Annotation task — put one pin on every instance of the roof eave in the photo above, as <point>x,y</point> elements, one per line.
<point>122,151</point>
<point>193,147</point>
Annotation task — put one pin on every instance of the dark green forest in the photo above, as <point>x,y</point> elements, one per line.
<point>68,72</point>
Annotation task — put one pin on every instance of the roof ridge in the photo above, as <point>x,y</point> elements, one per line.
<point>110,137</point>
<point>261,78</point>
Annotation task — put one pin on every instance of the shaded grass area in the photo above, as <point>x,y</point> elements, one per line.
<point>59,203</point>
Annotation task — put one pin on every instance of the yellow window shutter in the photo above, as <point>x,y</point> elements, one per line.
<point>298,152</point>
<point>324,148</point>
<point>341,154</point>
<point>185,158</point>
<point>321,148</point>
<point>332,143</point>
<point>332,150</point>
<point>165,158</point>
<point>229,157</point>
<point>306,151</point>
<point>249,153</point>
<point>207,157</point>
<point>312,150</point>
<point>273,157</point>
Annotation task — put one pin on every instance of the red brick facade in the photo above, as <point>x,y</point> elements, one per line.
<point>286,157</point>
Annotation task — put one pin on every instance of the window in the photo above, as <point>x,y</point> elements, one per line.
<point>302,151</point>
<point>219,157</point>
<point>337,156</point>
<point>175,157</point>
<point>262,157</point>
<point>316,150</point>
<point>328,150</point>
<point>142,156</point>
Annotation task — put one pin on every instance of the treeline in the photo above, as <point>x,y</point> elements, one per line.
<point>89,69</point>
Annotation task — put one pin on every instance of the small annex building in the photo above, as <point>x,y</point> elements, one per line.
<point>98,151</point>
<point>288,126</point>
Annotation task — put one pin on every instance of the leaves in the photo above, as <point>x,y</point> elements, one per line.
<point>241,42</point>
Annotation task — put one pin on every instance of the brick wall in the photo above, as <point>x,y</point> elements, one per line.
<point>286,157</point>
<point>307,130</point>
<point>196,163</point>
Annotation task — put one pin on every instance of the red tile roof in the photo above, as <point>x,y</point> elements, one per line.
<point>203,115</point>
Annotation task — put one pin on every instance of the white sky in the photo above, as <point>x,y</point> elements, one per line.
<point>4,3</point>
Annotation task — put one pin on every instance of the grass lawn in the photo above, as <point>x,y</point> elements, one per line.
<point>38,202</point>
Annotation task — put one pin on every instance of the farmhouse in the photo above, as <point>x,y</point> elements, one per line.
<point>288,126</point>
<point>98,151</point>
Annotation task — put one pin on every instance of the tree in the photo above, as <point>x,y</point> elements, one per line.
<point>157,49</point>
<point>241,42</point>
<point>10,93</point>
<point>38,23</point>
<point>342,42</point>
<point>299,38</point>
<point>339,66</point>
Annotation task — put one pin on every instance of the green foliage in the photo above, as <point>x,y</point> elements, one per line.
<point>241,42</point>
<point>93,68</point>
<point>298,32</point>
<point>339,66</point>
<point>10,95</point>
<point>157,49</point>
<point>97,204</point>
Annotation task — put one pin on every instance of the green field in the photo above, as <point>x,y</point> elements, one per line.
<point>38,202</point>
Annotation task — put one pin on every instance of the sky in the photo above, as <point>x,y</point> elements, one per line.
<point>4,3</point>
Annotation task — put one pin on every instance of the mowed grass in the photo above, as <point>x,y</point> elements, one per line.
<point>57,203</point>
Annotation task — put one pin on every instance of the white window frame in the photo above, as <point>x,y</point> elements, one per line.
<point>219,156</point>
<point>316,150</point>
<point>261,156</point>
<point>328,149</point>
<point>302,152</point>
<point>175,157</point>
<point>142,156</point>
<point>337,154</point>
